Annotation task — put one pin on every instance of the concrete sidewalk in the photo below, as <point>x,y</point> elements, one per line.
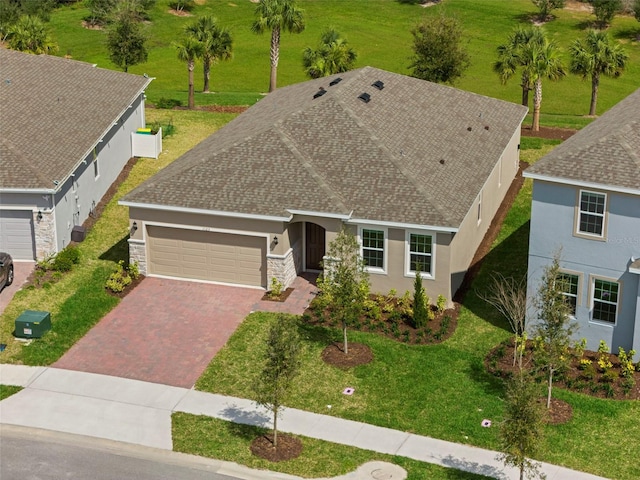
<point>140,413</point>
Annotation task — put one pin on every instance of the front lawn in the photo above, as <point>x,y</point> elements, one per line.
<point>442,390</point>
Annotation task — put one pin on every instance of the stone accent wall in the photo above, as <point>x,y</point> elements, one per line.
<point>45,237</point>
<point>281,267</point>
<point>138,253</point>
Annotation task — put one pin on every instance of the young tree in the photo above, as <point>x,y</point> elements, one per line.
<point>345,280</point>
<point>509,297</point>
<point>420,313</point>
<point>332,56</point>
<point>636,9</point>
<point>277,15</point>
<point>99,11</point>
<point>189,50</point>
<point>438,52</point>
<point>29,34</point>
<point>605,10</point>
<point>125,38</point>
<point>554,326</point>
<point>522,428</point>
<point>216,41</point>
<point>281,363</point>
<point>538,58</point>
<point>597,55</point>
<point>545,7</point>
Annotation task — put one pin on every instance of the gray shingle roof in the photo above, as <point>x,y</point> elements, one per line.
<point>53,111</point>
<point>606,152</point>
<point>337,154</point>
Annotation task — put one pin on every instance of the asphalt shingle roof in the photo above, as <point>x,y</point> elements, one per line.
<point>606,152</point>
<point>336,154</point>
<point>53,111</point>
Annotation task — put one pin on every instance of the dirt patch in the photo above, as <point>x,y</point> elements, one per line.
<point>357,354</point>
<point>551,133</point>
<point>288,447</point>
<point>558,412</point>
<point>91,26</point>
<point>179,13</point>
<point>576,6</point>
<point>277,298</point>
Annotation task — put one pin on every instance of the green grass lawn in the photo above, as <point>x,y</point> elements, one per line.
<point>379,30</point>
<point>8,390</point>
<point>79,300</point>
<point>210,437</point>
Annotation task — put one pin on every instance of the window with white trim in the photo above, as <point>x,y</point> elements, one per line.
<point>96,170</point>
<point>420,253</point>
<point>569,285</point>
<point>373,248</point>
<point>591,212</point>
<point>604,300</point>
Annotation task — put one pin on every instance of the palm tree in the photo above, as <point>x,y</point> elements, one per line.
<point>332,56</point>
<point>29,34</point>
<point>508,57</point>
<point>538,58</point>
<point>597,56</point>
<point>277,15</point>
<point>188,51</point>
<point>216,41</point>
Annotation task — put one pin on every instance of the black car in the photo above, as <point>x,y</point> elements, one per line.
<point>6,270</point>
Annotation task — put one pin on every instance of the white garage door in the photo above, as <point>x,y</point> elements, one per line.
<point>16,234</point>
<point>211,256</point>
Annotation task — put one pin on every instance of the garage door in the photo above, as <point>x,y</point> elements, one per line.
<point>16,234</point>
<point>212,256</point>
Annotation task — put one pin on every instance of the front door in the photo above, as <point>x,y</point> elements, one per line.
<point>315,246</point>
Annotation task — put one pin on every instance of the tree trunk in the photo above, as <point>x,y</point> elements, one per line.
<point>344,336</point>
<point>595,83</point>
<point>525,96</point>
<point>275,428</point>
<point>275,56</point>
<point>206,66</point>
<point>192,102</point>
<point>537,100</point>
<point>549,386</point>
<point>522,471</point>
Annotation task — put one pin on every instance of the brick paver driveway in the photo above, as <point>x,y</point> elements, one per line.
<point>164,331</point>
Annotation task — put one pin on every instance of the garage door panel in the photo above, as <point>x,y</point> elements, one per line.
<point>16,234</point>
<point>211,256</point>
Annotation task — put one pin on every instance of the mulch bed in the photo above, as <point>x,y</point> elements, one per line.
<point>279,298</point>
<point>135,282</point>
<point>288,447</point>
<point>357,354</point>
<point>548,132</point>
<point>558,412</point>
<point>209,108</point>
<point>500,363</point>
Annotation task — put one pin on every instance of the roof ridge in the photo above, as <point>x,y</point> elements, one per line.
<point>25,160</point>
<point>403,169</point>
<point>288,141</point>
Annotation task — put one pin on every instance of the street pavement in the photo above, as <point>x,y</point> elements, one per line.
<point>139,413</point>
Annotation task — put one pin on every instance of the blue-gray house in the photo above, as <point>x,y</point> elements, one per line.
<point>586,206</point>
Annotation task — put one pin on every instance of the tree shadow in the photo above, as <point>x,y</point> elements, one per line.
<point>245,432</point>
<point>118,251</point>
<point>318,334</point>
<point>489,471</point>
<point>629,33</point>
<point>491,384</point>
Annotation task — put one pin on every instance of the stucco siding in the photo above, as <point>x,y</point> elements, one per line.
<point>553,233</point>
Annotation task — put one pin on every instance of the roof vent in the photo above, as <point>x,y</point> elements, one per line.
<point>365,97</point>
<point>319,93</point>
<point>469,129</point>
<point>442,161</point>
<point>486,127</point>
<point>378,84</point>
<point>335,81</point>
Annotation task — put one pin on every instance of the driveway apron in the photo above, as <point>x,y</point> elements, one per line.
<point>165,331</point>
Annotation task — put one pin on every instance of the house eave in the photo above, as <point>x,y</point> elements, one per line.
<point>309,213</point>
<point>37,191</point>
<point>579,183</point>
<point>202,211</point>
<point>411,226</point>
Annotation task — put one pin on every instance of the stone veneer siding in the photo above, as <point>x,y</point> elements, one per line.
<point>283,267</point>
<point>45,237</point>
<point>138,253</point>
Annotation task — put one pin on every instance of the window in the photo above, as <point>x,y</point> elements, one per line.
<point>96,171</point>
<point>605,300</point>
<point>420,253</point>
<point>373,248</point>
<point>569,284</point>
<point>480,207</point>
<point>591,213</point>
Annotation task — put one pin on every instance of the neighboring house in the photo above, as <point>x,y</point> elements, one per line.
<point>586,209</point>
<point>65,135</point>
<point>416,170</point>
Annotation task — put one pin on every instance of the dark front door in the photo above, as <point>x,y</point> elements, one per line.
<point>315,248</point>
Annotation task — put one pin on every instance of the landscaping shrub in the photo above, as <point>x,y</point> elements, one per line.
<point>182,5</point>
<point>122,277</point>
<point>66,259</point>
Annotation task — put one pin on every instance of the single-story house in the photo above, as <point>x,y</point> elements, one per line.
<point>586,211</point>
<point>65,135</point>
<point>415,169</point>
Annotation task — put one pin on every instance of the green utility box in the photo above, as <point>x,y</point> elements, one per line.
<point>32,324</point>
